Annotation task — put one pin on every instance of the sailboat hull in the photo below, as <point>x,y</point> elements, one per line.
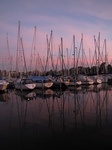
<point>3,85</point>
<point>44,85</point>
<point>41,81</point>
<point>25,86</point>
<point>74,83</point>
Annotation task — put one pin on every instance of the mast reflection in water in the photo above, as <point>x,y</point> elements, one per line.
<point>53,118</point>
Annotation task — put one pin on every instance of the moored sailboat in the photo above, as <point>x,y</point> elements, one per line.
<point>96,79</point>
<point>41,81</point>
<point>3,84</point>
<point>85,80</point>
<point>25,84</point>
<point>60,82</point>
<point>73,80</point>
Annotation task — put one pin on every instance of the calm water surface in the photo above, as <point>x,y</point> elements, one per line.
<point>53,119</point>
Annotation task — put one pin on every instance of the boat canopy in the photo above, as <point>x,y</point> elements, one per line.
<point>38,78</point>
<point>0,77</point>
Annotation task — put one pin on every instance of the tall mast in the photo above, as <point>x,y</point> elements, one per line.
<point>90,57</point>
<point>35,51</point>
<point>51,38</point>
<point>96,55</point>
<point>3,66</point>
<point>67,62</point>
<point>99,49</point>
<point>24,56</point>
<point>60,58</point>
<point>9,63</point>
<point>74,52</point>
<point>18,49</point>
<point>38,64</point>
<point>105,55</point>
<point>76,61</point>
<point>62,54</point>
<point>82,49</point>
<point>48,48</point>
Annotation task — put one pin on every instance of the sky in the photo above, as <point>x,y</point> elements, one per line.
<point>64,17</point>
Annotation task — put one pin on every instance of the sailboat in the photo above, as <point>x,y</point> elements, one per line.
<point>41,81</point>
<point>23,83</point>
<point>73,81</point>
<point>85,80</point>
<point>3,84</point>
<point>8,78</point>
<point>96,78</point>
<point>60,81</point>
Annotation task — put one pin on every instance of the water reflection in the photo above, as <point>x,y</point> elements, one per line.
<point>54,116</point>
<point>4,97</point>
<point>25,95</point>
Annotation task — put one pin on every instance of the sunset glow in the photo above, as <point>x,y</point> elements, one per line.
<point>65,18</point>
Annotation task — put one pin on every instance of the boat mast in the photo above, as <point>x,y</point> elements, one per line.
<point>90,57</point>
<point>9,60</point>
<point>82,52</point>
<point>96,55</point>
<point>18,50</point>
<point>38,64</point>
<point>105,56</point>
<point>48,49</point>
<point>51,40</point>
<point>76,61</point>
<point>74,52</point>
<point>98,50</point>
<point>24,57</point>
<point>62,55</point>
<point>60,59</point>
<point>35,51</point>
<point>67,62</point>
<point>3,66</point>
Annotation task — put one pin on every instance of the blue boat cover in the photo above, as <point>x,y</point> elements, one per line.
<point>38,78</point>
<point>0,77</point>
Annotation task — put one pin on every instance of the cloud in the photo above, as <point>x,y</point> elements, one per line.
<point>65,17</point>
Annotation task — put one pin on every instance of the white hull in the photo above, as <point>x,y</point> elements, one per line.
<point>42,81</point>
<point>75,83</point>
<point>105,78</point>
<point>44,85</point>
<point>60,84</point>
<point>96,79</point>
<point>3,85</point>
<point>24,84</point>
<point>66,83</point>
<point>20,86</point>
<point>85,80</point>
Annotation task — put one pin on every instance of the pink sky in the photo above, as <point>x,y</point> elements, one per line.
<point>66,18</point>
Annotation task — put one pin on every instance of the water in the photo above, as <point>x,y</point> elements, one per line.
<point>55,119</point>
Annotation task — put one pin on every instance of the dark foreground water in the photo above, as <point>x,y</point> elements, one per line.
<point>55,119</point>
